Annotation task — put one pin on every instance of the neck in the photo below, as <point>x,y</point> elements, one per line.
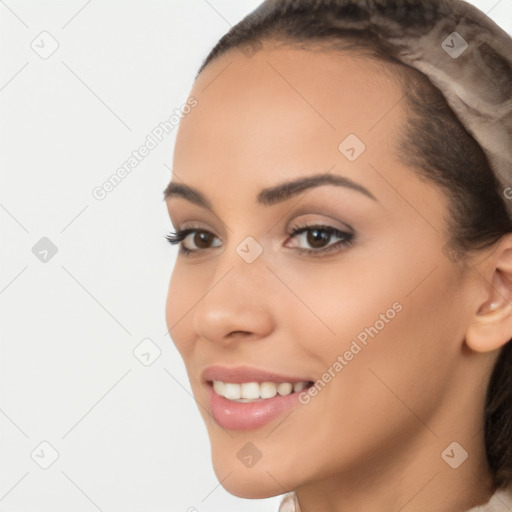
<point>414,475</point>
<point>423,484</point>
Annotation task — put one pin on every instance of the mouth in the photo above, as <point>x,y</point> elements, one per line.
<point>251,405</point>
<point>247,392</point>
<point>247,397</point>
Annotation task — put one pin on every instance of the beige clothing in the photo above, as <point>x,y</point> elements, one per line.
<point>501,501</point>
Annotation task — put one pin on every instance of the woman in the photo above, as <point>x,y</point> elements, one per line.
<point>342,295</point>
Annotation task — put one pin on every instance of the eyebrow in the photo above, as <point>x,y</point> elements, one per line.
<point>272,195</point>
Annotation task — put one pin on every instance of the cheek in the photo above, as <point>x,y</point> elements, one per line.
<point>398,344</point>
<point>179,308</point>
<point>390,310</point>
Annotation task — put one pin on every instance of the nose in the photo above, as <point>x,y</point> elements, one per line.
<point>237,302</point>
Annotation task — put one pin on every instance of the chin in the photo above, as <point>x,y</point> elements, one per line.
<point>251,486</point>
<point>261,481</point>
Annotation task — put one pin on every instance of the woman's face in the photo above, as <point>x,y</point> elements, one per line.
<point>380,320</point>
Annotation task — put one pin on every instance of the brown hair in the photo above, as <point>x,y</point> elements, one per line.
<point>445,152</point>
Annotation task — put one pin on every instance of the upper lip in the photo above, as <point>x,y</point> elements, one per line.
<point>241,374</point>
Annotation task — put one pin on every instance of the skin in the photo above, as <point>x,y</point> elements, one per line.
<point>371,440</point>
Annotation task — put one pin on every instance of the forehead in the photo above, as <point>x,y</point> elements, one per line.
<point>283,111</point>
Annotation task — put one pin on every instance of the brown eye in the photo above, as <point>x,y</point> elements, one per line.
<point>199,237</point>
<point>202,239</point>
<point>317,237</point>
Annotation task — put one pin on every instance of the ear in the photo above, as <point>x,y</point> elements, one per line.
<point>491,325</point>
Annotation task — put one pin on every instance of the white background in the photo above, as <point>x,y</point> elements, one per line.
<point>129,436</point>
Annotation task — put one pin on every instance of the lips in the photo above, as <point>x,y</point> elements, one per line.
<point>234,413</point>
<point>242,374</point>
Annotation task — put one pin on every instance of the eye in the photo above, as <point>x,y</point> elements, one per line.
<point>317,237</point>
<point>201,238</point>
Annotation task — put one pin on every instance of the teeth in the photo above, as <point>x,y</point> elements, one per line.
<point>268,389</point>
<point>250,390</point>
<point>218,387</point>
<point>232,391</point>
<point>299,386</point>
<point>254,391</point>
<point>284,388</point>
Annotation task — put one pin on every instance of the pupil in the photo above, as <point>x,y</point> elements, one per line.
<point>314,238</point>
<point>202,237</point>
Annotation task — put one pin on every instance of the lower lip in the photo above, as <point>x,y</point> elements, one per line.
<point>250,415</point>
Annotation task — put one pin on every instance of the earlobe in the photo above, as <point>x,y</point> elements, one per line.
<point>491,326</point>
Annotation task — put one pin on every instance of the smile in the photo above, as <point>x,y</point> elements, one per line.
<point>254,391</point>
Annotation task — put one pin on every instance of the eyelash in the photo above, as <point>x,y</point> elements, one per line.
<point>347,239</point>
